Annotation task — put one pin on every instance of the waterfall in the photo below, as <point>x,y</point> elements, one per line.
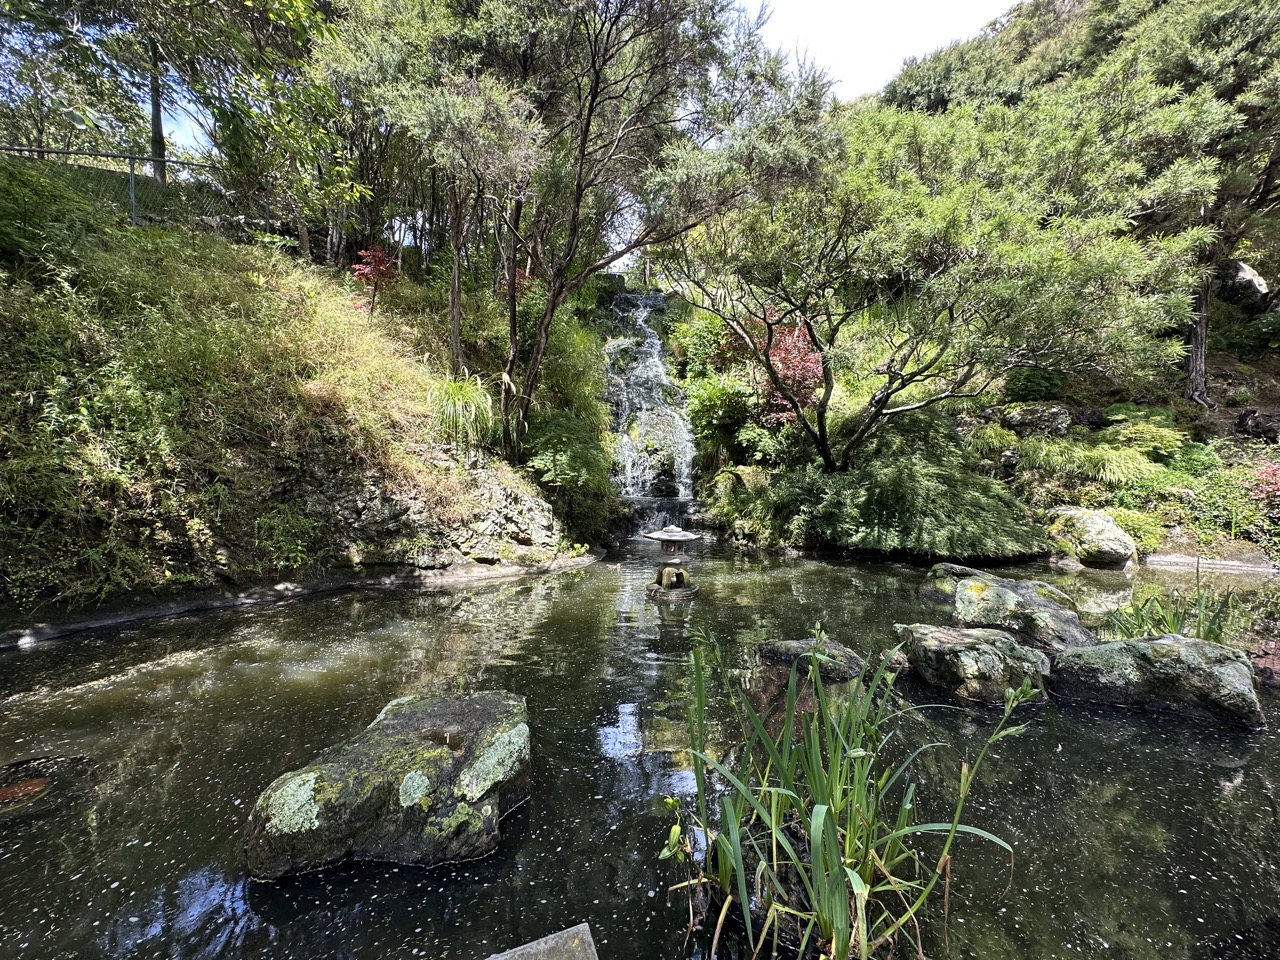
<point>654,450</point>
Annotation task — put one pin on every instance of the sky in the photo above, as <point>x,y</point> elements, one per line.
<point>862,43</point>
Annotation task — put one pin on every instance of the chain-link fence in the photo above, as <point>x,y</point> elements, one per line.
<point>132,185</point>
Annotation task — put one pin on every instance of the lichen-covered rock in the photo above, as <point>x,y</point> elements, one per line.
<point>978,663</point>
<point>1168,673</point>
<point>1039,614</point>
<point>836,662</point>
<point>427,782</point>
<point>1037,419</point>
<point>1091,537</point>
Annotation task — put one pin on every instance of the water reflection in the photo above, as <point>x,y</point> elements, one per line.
<point>1136,837</point>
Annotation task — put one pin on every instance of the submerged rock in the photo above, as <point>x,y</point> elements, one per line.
<point>40,785</point>
<point>1091,537</point>
<point>978,663</point>
<point>1038,613</point>
<point>427,782</point>
<point>836,663</point>
<point>1168,673</point>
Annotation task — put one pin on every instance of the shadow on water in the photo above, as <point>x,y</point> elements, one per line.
<point>1136,837</point>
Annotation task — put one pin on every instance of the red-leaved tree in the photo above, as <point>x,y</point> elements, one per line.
<point>798,366</point>
<point>375,269</point>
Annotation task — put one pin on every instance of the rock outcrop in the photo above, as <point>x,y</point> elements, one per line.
<point>1039,614</point>
<point>1169,673</point>
<point>1037,419</point>
<point>1091,537</point>
<point>426,783</point>
<point>836,663</point>
<point>978,663</point>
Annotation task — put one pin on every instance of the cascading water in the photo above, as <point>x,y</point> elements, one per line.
<point>654,451</point>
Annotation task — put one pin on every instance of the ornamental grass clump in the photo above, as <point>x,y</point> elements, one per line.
<point>812,833</point>
<point>1203,614</point>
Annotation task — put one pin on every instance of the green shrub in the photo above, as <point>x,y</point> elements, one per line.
<point>914,491</point>
<point>41,218</point>
<point>1031,384</point>
<point>698,343</point>
<point>1196,460</point>
<point>719,408</point>
<point>569,461</point>
<point>1146,528</point>
<point>461,411</point>
<point>1152,440</point>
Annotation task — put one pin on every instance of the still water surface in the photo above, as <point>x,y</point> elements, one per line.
<point>1136,837</point>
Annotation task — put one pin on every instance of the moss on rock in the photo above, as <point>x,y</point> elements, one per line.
<point>1173,674</point>
<point>427,782</point>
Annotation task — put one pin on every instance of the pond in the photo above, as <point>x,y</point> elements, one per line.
<point>1135,836</point>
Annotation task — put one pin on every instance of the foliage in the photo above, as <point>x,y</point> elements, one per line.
<point>885,261</point>
<point>40,218</point>
<point>374,269</point>
<point>1146,529</point>
<point>700,345</point>
<point>914,493</point>
<point>1026,384</point>
<point>1204,614</point>
<point>798,367</point>
<point>461,411</point>
<point>720,407</point>
<point>816,834</point>
<point>571,464</point>
<point>1223,52</point>
<point>165,391</point>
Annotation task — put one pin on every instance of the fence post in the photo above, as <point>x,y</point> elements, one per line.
<point>133,195</point>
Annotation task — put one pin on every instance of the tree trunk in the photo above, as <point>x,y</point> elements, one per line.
<point>555,295</point>
<point>158,165</point>
<point>1197,388</point>
<point>299,218</point>
<point>509,448</point>
<point>457,204</point>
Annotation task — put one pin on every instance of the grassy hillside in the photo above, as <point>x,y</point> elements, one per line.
<point>179,410</point>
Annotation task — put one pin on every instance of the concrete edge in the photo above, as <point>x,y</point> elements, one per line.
<point>450,578</point>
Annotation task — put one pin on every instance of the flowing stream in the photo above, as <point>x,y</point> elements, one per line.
<point>654,449</point>
<point>1136,837</point>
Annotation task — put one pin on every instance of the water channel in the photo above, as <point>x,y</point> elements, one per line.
<point>1136,837</point>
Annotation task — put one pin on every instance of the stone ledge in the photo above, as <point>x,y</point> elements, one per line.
<point>212,600</point>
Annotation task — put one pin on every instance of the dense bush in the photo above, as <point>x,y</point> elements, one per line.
<point>914,492</point>
<point>40,218</point>
<point>1030,384</point>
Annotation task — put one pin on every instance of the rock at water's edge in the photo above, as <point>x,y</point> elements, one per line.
<point>427,782</point>
<point>1091,537</point>
<point>1168,673</point>
<point>836,663</point>
<point>976,663</point>
<point>1039,614</point>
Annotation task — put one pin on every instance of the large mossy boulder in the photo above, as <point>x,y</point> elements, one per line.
<point>426,783</point>
<point>977,663</point>
<point>1168,673</point>
<point>1091,538</point>
<point>1039,614</point>
<point>836,662</point>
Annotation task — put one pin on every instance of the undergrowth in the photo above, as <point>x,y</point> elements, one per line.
<point>914,492</point>
<point>169,397</point>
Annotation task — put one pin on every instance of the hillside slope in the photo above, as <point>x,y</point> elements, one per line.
<point>181,411</point>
